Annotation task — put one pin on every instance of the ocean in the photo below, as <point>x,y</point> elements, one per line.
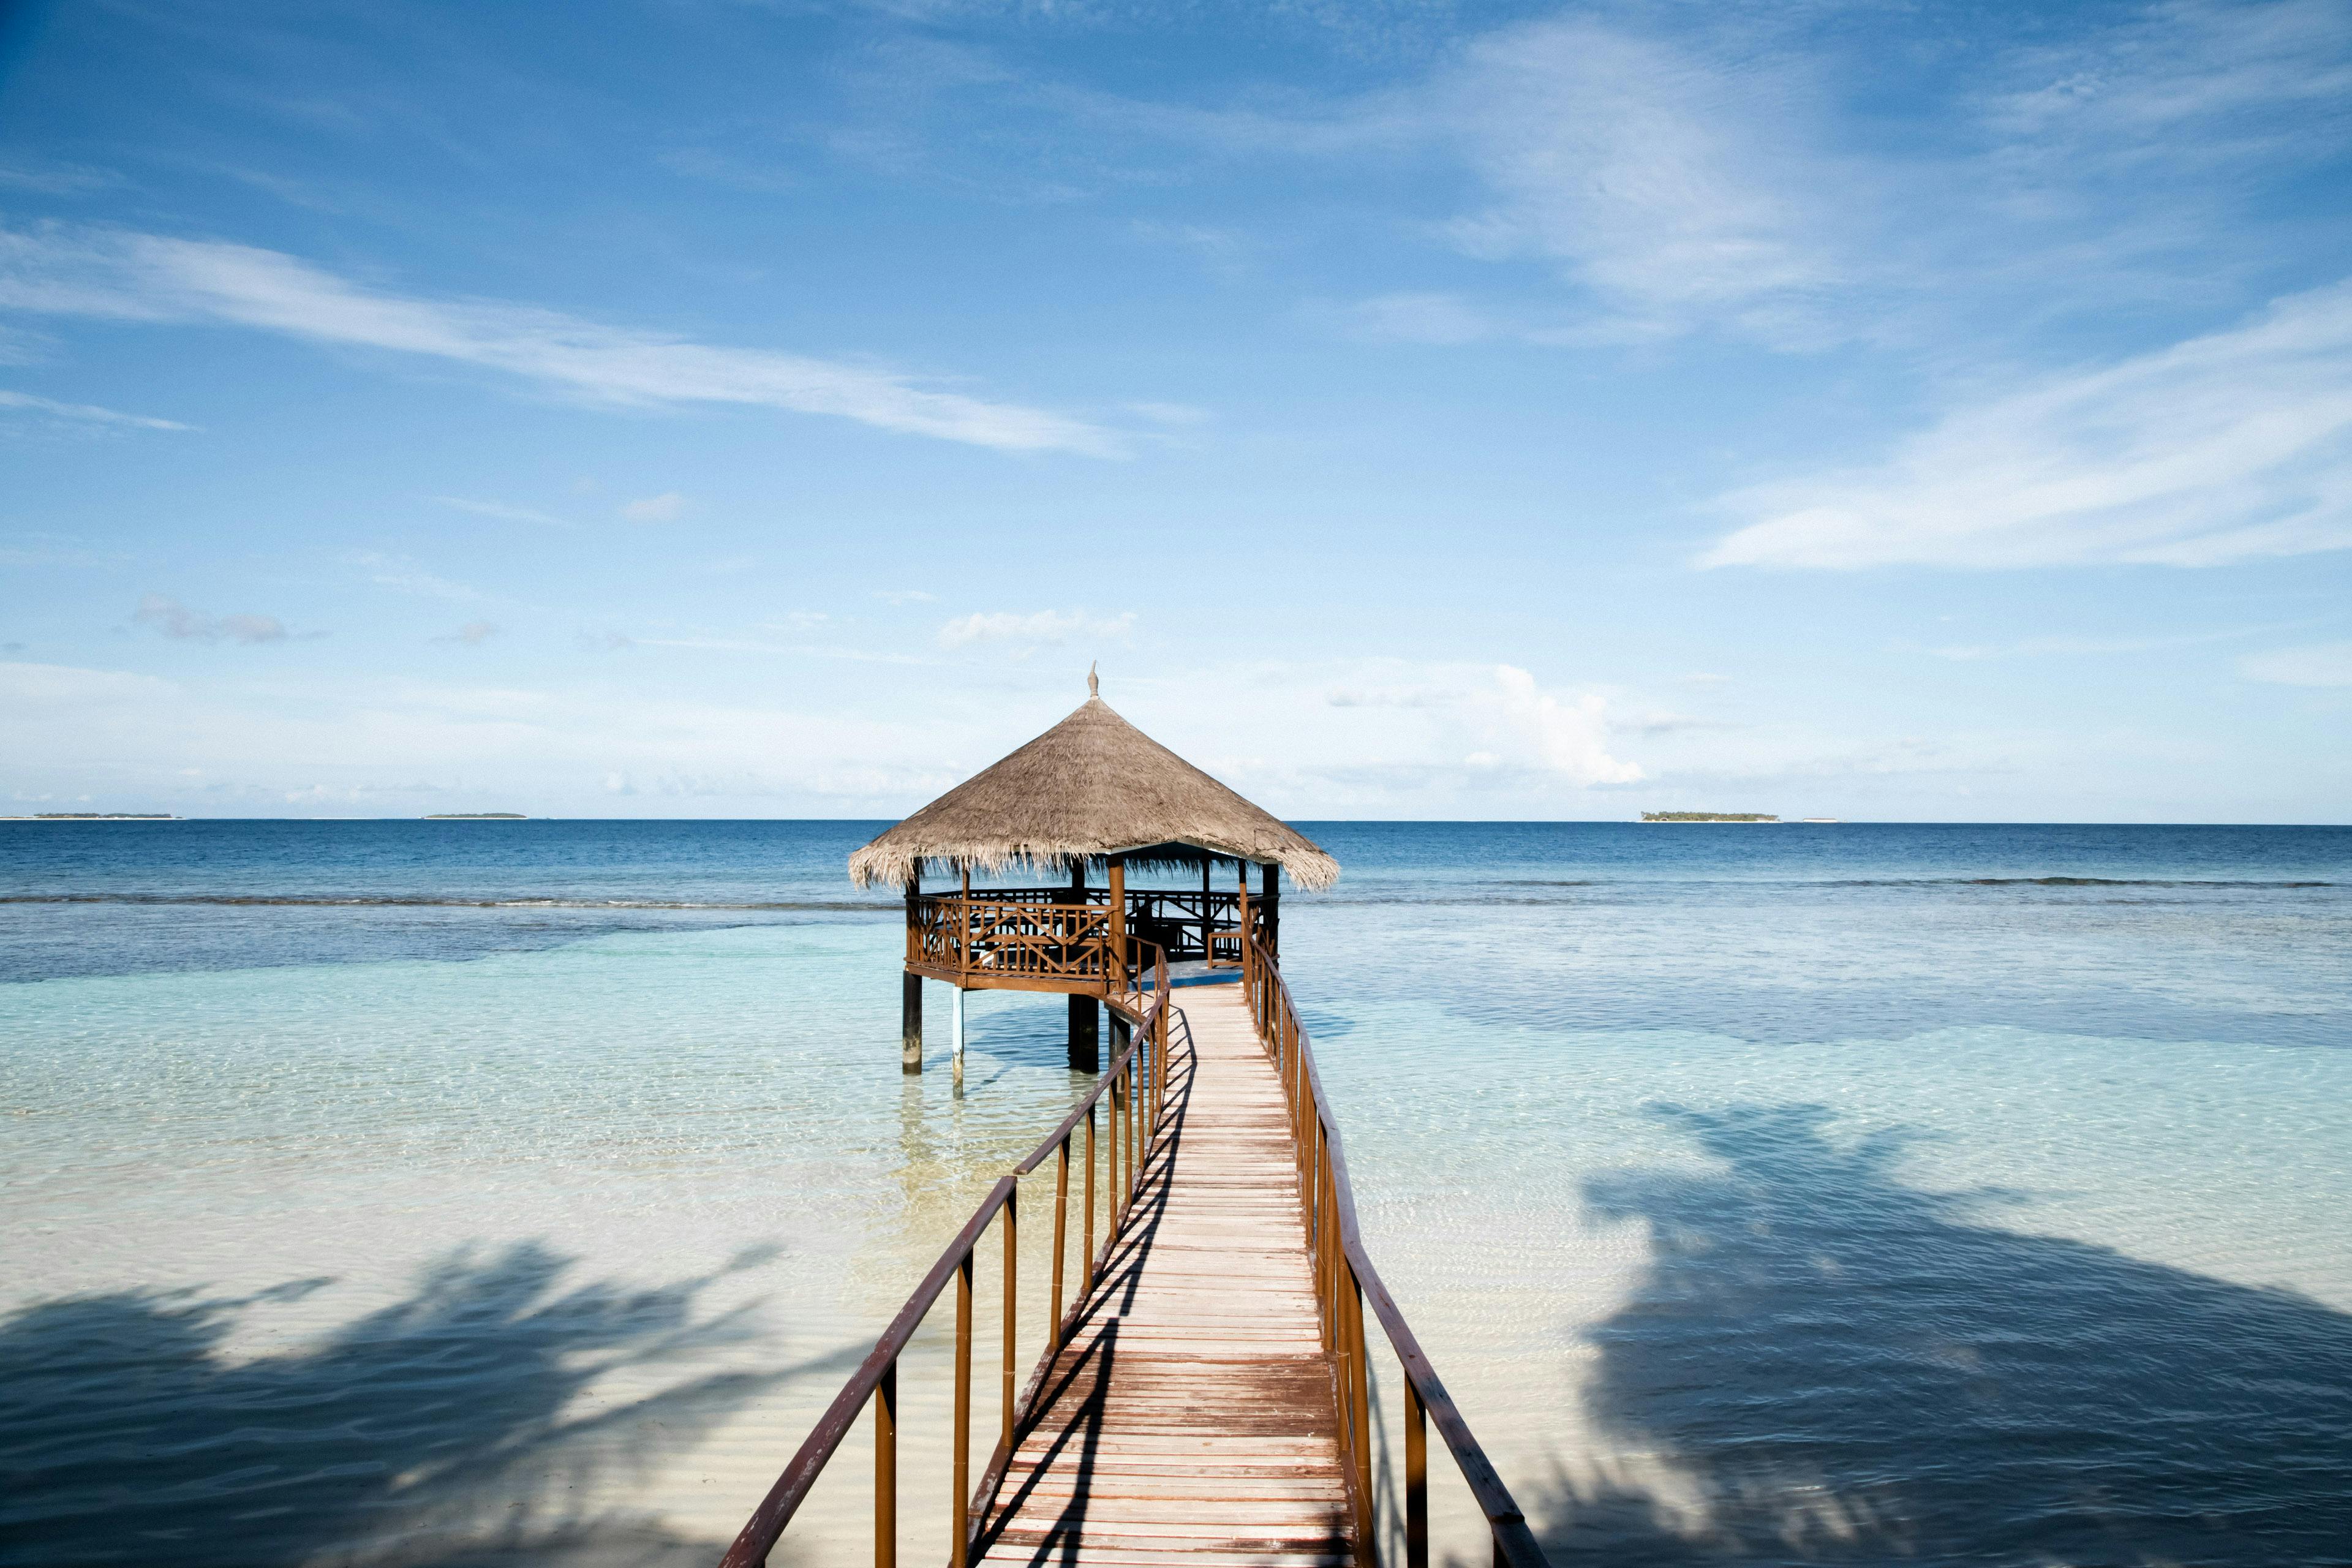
<point>492,1191</point>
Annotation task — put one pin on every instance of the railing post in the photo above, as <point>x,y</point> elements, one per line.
<point>1088,1265</point>
<point>1416,1477</point>
<point>1012,1294</point>
<point>961,1544</point>
<point>1061,1243</point>
<point>885,1468</point>
<point>1360,1395</point>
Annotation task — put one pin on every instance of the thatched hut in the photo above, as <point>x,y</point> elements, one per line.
<point>1093,791</point>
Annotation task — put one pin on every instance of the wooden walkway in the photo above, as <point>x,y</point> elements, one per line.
<point>1191,1422</point>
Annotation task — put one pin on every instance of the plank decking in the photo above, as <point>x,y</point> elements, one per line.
<point>1191,1420</point>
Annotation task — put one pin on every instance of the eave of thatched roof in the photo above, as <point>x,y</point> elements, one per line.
<point>1091,787</point>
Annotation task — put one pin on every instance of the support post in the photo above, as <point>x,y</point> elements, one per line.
<point>1115,962</point>
<point>911,996</point>
<point>1270,897</point>
<point>955,1028</point>
<point>885,1468</point>
<point>1242,912</point>
<point>1086,1036</point>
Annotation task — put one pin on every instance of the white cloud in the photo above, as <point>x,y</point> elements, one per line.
<point>174,619</point>
<point>498,509</point>
<point>1393,728</point>
<point>2225,447</point>
<point>2187,81</point>
<point>86,412</point>
<point>1424,318</point>
<point>67,688</point>
<point>906,596</point>
<point>2325,664</point>
<point>473,633</point>
<point>1173,415</point>
<point>139,277</point>
<point>1569,737</point>
<point>1041,628</point>
<point>667,507</point>
<point>398,571</point>
<point>1669,185</point>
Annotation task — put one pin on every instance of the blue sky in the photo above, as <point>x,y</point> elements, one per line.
<point>1918,411</point>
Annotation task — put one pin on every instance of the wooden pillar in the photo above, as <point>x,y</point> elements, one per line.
<point>1115,976</point>
<point>1241,908</point>
<point>1270,895</point>
<point>910,994</point>
<point>1085,1012</point>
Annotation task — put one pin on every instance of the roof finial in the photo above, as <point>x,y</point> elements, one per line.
<point>1094,681</point>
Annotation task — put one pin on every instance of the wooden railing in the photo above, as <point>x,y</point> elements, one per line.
<point>1345,1279</point>
<point>1057,937</point>
<point>1136,1091</point>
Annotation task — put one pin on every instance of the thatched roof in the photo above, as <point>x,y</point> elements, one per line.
<point>1092,786</point>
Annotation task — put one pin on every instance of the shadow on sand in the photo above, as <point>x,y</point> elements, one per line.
<point>440,1430</point>
<point>1845,1369</point>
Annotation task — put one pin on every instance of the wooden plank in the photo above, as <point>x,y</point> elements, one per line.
<point>1190,1419</point>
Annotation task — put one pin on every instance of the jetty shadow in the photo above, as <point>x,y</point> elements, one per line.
<point>440,1430</point>
<point>1837,1367</point>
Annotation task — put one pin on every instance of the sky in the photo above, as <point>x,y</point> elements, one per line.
<point>711,408</point>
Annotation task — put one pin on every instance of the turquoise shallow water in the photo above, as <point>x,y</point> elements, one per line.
<point>449,1192</point>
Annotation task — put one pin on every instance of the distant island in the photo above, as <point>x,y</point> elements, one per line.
<point>476,816</point>
<point>95,816</point>
<point>1709,816</point>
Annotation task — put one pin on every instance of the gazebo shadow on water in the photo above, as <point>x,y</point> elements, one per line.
<point>439,1430</point>
<point>1850,1370</point>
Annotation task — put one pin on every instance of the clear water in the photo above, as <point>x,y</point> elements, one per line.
<point>479,1192</point>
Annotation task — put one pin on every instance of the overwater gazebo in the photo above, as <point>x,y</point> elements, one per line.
<point>1093,792</point>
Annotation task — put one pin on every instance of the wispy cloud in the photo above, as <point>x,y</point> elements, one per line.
<point>1668,184</point>
<point>1419,318</point>
<point>2090,647</point>
<point>140,277</point>
<point>2185,82</point>
<point>56,179</point>
<point>906,596</point>
<point>2225,447</point>
<point>173,619</point>
<point>399,572</point>
<point>1036,629</point>
<point>499,510</point>
<point>2325,664</point>
<point>473,633</point>
<point>667,507</point>
<point>86,412</point>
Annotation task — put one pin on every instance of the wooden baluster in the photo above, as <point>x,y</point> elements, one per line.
<point>1416,1478</point>
<point>1361,1394</point>
<point>1061,1243</point>
<point>960,1545</point>
<point>885,1468</point>
<point>1089,1261</point>
<point>1012,1294</point>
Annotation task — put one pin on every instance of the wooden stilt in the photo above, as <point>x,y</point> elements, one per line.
<point>910,996</point>
<point>1086,1013</point>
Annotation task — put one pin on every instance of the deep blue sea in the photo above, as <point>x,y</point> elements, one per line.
<point>472,1191</point>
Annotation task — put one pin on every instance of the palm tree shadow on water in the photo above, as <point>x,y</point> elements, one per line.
<point>442,1429</point>
<point>1841,1368</point>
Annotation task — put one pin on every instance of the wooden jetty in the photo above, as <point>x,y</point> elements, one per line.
<point>1201,1400</point>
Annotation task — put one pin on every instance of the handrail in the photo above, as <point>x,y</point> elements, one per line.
<point>1137,1085</point>
<point>1331,1203</point>
<point>1019,937</point>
